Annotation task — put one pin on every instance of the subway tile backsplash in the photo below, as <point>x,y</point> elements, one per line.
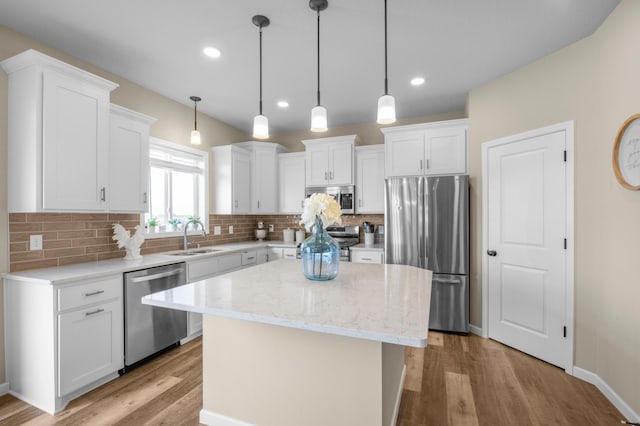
<point>70,238</point>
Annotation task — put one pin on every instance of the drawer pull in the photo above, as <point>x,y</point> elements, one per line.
<point>94,293</point>
<point>97,311</point>
<point>367,258</point>
<point>250,258</point>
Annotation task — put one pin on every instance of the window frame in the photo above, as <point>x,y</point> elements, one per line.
<point>204,156</point>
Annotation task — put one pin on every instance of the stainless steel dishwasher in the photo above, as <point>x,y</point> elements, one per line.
<point>149,329</point>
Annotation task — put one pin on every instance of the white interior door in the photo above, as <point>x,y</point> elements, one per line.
<point>525,259</point>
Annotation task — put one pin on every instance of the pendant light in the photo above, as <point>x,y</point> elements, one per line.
<point>386,103</point>
<point>318,113</point>
<point>260,122</point>
<point>195,134</point>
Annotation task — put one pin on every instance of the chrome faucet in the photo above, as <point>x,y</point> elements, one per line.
<point>186,227</point>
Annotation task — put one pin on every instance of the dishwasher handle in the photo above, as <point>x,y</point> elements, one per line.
<point>146,278</point>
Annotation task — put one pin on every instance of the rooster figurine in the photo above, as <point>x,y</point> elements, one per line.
<point>131,244</point>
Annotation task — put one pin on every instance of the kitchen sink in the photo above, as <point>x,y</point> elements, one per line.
<point>192,252</point>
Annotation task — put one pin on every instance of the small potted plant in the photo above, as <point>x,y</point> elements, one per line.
<point>193,219</point>
<point>173,224</point>
<point>152,224</point>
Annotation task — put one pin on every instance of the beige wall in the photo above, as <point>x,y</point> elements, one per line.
<point>174,123</point>
<point>596,83</point>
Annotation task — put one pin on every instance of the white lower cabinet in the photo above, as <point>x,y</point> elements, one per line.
<point>210,266</point>
<point>262,255</point>
<point>275,253</point>
<point>367,256</point>
<point>62,340</point>
<point>289,253</point>
<point>249,258</point>
<point>90,345</point>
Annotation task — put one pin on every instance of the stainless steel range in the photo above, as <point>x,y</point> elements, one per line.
<point>346,236</point>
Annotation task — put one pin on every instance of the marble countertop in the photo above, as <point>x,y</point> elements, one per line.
<point>386,303</point>
<point>68,273</point>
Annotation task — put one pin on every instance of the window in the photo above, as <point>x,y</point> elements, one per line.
<point>177,187</point>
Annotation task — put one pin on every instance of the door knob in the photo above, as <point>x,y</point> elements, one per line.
<point>492,252</point>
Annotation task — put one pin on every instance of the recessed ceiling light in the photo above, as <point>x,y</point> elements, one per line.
<point>211,52</point>
<point>283,104</point>
<point>417,81</point>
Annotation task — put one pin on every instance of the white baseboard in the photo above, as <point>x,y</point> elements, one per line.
<point>214,419</point>
<point>608,392</point>
<point>475,329</point>
<point>4,388</point>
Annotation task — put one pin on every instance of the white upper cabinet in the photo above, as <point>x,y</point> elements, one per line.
<point>128,160</point>
<point>232,179</point>
<point>245,178</point>
<point>370,179</point>
<point>264,176</point>
<point>330,161</point>
<point>426,149</point>
<point>291,171</point>
<point>58,135</point>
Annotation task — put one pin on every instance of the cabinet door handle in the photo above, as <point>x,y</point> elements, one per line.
<point>236,204</point>
<point>359,202</point>
<point>325,176</point>
<point>420,164</point>
<point>427,163</point>
<point>97,311</point>
<point>330,175</point>
<point>144,198</point>
<point>258,203</point>
<point>94,293</point>
<point>302,203</point>
<point>103,194</point>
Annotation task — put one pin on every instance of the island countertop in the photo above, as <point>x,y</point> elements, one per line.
<point>385,303</point>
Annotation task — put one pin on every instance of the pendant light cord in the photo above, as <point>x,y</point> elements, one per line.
<point>318,13</point>
<point>260,103</point>
<point>195,115</point>
<point>386,82</point>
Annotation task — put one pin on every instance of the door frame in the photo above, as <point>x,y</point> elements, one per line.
<point>567,127</point>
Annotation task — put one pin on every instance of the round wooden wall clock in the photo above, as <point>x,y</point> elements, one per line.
<point>626,154</point>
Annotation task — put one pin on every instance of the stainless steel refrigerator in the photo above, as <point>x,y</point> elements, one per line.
<point>427,225</point>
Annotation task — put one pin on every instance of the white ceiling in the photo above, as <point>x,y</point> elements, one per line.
<point>456,45</point>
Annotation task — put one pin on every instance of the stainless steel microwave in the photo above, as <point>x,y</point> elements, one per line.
<point>344,195</point>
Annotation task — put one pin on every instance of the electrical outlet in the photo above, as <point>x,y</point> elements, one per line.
<point>217,230</point>
<point>271,229</point>
<point>231,229</point>
<point>35,242</point>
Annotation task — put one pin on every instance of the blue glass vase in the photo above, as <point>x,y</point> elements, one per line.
<point>320,254</point>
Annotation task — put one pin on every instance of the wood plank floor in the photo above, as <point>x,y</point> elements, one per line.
<point>456,381</point>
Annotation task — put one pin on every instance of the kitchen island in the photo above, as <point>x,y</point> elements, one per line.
<point>280,349</point>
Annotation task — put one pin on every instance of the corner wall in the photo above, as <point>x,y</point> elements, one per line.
<point>595,83</point>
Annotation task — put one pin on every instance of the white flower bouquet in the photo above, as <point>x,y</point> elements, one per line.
<point>323,207</point>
